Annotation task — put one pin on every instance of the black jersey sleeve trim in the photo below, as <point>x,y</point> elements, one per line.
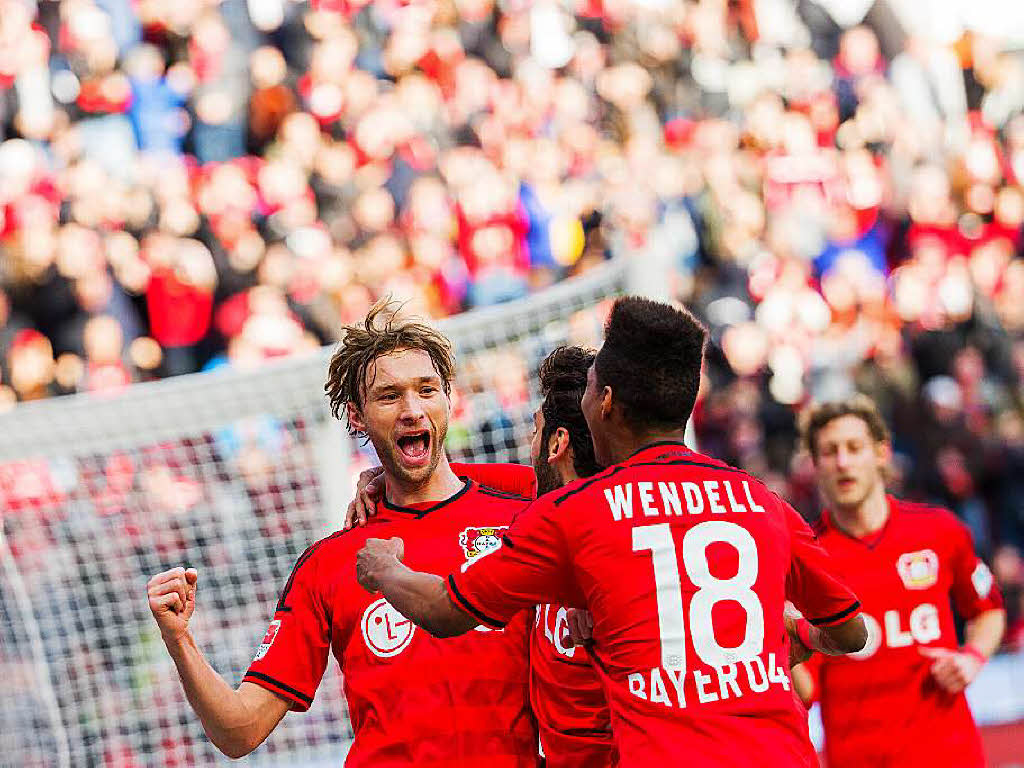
<point>469,608</point>
<point>836,616</point>
<point>307,700</point>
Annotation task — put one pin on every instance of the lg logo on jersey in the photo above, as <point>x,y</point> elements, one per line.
<point>921,628</point>
<point>386,632</point>
<point>558,635</point>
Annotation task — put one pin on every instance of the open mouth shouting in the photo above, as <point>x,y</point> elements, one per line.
<point>414,448</point>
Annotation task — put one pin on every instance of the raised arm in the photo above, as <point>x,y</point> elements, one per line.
<point>420,597</point>
<point>236,721</point>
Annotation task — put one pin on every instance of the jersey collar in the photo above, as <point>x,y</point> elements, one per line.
<point>870,541</point>
<point>646,451</point>
<point>428,507</point>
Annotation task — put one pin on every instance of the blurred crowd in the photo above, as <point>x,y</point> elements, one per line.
<point>835,186</point>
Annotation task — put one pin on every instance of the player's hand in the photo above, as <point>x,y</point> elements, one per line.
<point>952,670</point>
<point>172,599</point>
<point>369,490</point>
<point>375,558</point>
<point>581,626</point>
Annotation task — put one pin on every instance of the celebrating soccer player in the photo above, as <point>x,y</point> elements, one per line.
<point>683,562</point>
<point>565,691</point>
<point>413,700</point>
<point>900,701</point>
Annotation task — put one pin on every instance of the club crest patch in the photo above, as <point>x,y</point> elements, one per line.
<point>268,639</point>
<point>477,542</point>
<point>918,570</point>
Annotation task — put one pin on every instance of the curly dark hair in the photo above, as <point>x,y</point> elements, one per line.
<point>563,378</point>
<point>651,359</point>
<point>381,333</point>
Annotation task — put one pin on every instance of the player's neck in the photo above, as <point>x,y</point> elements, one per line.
<point>867,518</point>
<point>441,484</point>
<point>624,445</point>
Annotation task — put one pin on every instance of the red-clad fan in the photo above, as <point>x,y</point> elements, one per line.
<point>565,691</point>
<point>900,701</point>
<point>413,700</point>
<point>683,562</point>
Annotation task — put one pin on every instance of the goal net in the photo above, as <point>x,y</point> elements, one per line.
<point>234,473</point>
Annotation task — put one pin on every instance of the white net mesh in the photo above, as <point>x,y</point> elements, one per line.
<point>234,473</point>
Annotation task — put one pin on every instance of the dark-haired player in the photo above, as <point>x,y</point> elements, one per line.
<point>413,700</point>
<point>900,701</point>
<point>683,562</point>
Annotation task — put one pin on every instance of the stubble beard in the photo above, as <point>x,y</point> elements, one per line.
<point>390,458</point>
<point>547,477</point>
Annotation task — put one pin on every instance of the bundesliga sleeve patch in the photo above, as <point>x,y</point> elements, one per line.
<point>268,639</point>
<point>982,579</point>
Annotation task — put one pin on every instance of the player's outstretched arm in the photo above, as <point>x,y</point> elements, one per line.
<point>420,597</point>
<point>236,721</point>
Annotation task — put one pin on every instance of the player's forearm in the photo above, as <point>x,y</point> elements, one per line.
<point>229,723</point>
<point>422,598</point>
<point>985,631</point>
<point>837,640</point>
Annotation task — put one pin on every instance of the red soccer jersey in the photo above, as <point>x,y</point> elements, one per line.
<point>685,565</point>
<point>566,694</point>
<point>880,707</point>
<point>413,700</point>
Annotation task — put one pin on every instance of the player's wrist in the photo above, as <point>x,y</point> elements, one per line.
<point>974,652</point>
<point>803,630</point>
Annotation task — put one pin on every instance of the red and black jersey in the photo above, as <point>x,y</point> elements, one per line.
<point>685,565</point>
<point>881,706</point>
<point>565,691</point>
<point>413,700</point>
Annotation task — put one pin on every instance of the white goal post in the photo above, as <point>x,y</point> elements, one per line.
<point>234,473</point>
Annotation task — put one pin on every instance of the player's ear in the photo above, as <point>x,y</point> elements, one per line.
<point>883,450</point>
<point>355,417</point>
<point>558,445</point>
<point>606,402</point>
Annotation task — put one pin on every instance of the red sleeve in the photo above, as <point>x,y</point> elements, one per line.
<point>819,596</point>
<point>974,589</point>
<point>292,656</point>
<point>531,567</point>
<point>511,478</point>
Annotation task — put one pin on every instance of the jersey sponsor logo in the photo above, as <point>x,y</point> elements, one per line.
<point>918,570</point>
<point>386,632</point>
<point>268,639</point>
<point>558,634</point>
<point>477,542</point>
<point>922,627</point>
<point>982,579</point>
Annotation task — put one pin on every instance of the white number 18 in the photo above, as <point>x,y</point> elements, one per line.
<point>710,590</point>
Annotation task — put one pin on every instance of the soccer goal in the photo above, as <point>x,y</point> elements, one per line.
<point>234,473</point>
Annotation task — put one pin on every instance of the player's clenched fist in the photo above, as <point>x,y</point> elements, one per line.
<point>172,599</point>
<point>376,556</point>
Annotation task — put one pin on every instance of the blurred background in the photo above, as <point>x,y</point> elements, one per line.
<point>835,186</point>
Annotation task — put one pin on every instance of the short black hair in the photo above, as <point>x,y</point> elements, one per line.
<point>563,379</point>
<point>651,359</point>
